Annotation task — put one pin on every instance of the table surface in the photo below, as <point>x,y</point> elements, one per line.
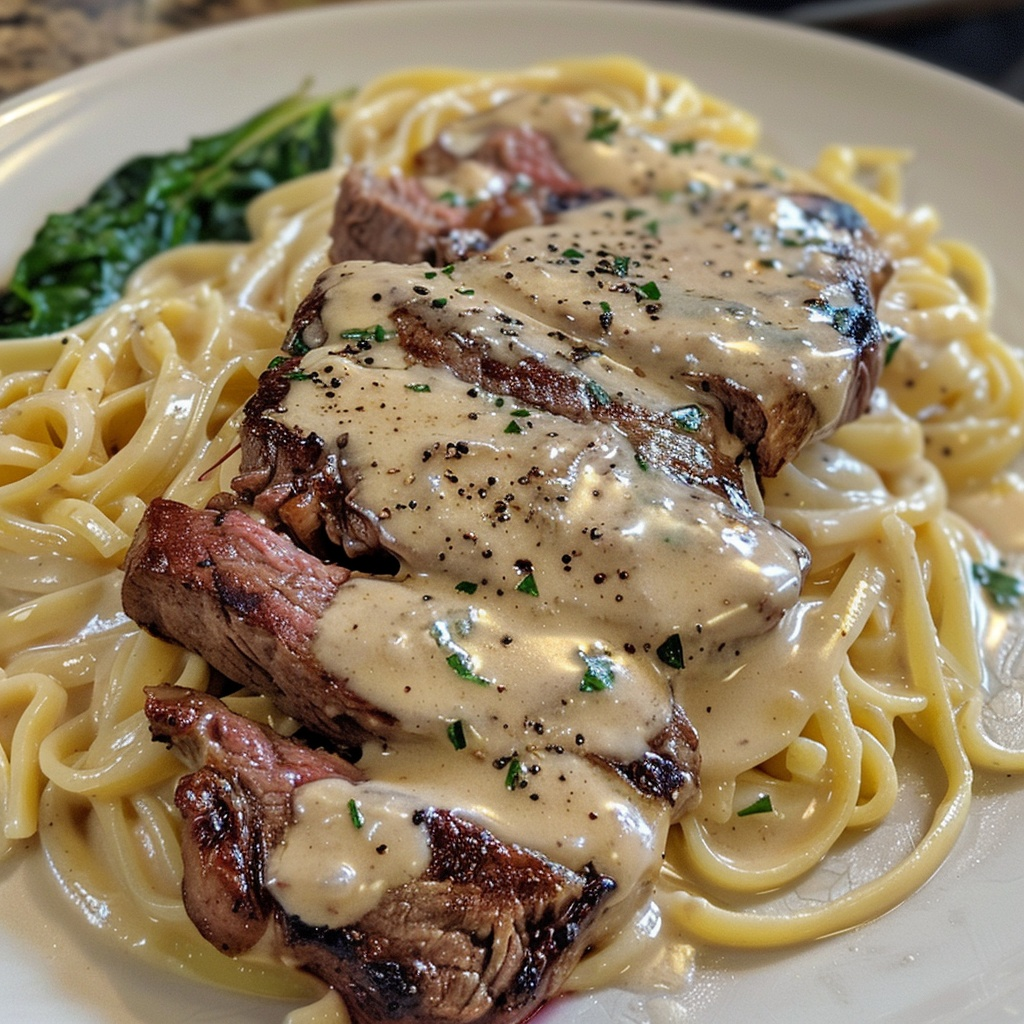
<point>982,39</point>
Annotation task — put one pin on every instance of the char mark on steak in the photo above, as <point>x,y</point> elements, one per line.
<point>247,600</point>
<point>844,260</point>
<point>236,805</point>
<point>691,458</point>
<point>295,483</point>
<point>670,769</point>
<point>485,934</point>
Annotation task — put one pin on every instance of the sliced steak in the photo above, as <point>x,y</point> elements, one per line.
<point>237,804</point>
<point>484,934</point>
<point>396,218</point>
<point>248,600</point>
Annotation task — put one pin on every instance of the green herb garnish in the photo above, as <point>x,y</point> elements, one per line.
<point>893,338</point>
<point>603,125</point>
<point>459,662</point>
<point>671,652</point>
<point>600,673</point>
<point>355,814</point>
<point>465,587</point>
<point>418,388</point>
<point>377,333</point>
<point>650,291</point>
<point>762,805</point>
<point>528,585</point>
<point>457,735</point>
<point>598,393</point>
<point>79,261</point>
<point>688,418</point>
<point>1004,589</point>
<point>514,773</point>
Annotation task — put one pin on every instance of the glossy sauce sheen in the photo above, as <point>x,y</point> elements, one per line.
<point>543,566</point>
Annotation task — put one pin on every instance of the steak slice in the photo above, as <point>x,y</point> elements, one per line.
<point>236,805</point>
<point>484,934</point>
<point>395,218</point>
<point>250,602</point>
<point>247,600</point>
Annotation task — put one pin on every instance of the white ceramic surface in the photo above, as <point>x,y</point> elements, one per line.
<point>952,953</point>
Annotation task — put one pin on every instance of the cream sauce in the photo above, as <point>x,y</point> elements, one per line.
<point>545,574</point>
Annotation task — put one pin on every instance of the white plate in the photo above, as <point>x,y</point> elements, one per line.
<point>955,951</point>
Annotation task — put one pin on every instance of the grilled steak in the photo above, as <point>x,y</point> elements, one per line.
<point>251,602</point>
<point>395,218</point>
<point>500,492</point>
<point>483,933</point>
<point>247,600</point>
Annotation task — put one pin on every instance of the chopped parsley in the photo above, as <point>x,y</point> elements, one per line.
<point>528,585</point>
<point>671,652</point>
<point>1004,589</point>
<point>598,393</point>
<point>620,265</point>
<point>377,333</point>
<point>465,587</point>
<point>458,660</point>
<point>762,805</point>
<point>688,418</point>
<point>514,773</point>
<point>600,673</point>
<point>419,388</point>
<point>650,291</point>
<point>893,338</point>
<point>457,734</point>
<point>603,125</point>
<point>355,814</point>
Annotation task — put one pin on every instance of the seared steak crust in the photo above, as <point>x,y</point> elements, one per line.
<point>689,457</point>
<point>236,805</point>
<point>487,933</point>
<point>670,770</point>
<point>248,600</point>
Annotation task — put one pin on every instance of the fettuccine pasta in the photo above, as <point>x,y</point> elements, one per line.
<point>881,660</point>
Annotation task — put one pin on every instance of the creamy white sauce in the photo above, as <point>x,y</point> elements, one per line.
<point>348,844</point>
<point>541,567</point>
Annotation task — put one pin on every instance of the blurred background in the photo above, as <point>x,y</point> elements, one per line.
<point>981,39</point>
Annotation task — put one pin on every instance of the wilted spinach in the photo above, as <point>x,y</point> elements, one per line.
<point>79,261</point>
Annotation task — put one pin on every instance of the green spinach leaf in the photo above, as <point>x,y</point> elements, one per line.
<point>79,261</point>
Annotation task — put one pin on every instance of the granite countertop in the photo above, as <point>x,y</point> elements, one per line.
<point>40,39</point>
<point>982,39</point>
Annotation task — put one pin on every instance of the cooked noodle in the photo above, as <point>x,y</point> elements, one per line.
<point>144,400</point>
